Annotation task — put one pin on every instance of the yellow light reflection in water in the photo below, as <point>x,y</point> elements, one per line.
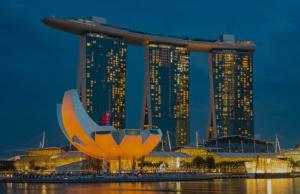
<point>218,186</point>
<point>178,188</point>
<point>273,186</point>
<point>44,189</point>
<point>269,186</point>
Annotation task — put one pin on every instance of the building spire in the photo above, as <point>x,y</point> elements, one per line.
<point>162,145</point>
<point>277,144</point>
<point>197,138</point>
<point>42,142</point>
<point>169,140</point>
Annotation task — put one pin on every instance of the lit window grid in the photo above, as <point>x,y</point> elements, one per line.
<point>233,93</point>
<point>170,96</point>
<point>105,78</point>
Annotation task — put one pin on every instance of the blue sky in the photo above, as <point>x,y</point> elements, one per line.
<point>39,63</point>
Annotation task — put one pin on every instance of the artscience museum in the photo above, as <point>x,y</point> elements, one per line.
<point>102,142</point>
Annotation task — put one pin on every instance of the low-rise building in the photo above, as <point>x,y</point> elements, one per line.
<point>269,164</point>
<point>293,154</point>
<point>45,160</point>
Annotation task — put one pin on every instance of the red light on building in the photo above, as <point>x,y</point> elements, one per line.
<point>105,120</point>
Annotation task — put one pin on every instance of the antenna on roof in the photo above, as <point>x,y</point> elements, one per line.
<point>197,139</point>
<point>42,142</point>
<point>162,145</point>
<point>169,141</point>
<point>277,145</point>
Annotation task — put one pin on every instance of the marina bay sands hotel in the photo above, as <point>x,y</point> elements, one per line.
<point>166,101</point>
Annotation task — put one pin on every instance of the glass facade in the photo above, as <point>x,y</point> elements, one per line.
<point>102,88</point>
<point>232,93</point>
<point>169,91</point>
<point>239,144</point>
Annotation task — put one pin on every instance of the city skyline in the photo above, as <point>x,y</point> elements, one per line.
<point>72,63</point>
<point>166,96</point>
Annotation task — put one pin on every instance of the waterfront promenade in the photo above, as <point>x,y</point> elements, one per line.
<point>118,178</point>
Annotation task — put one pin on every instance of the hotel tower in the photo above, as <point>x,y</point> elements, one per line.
<point>102,77</point>
<point>166,98</point>
<point>231,92</point>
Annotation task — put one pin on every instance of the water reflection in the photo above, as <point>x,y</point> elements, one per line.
<point>273,186</point>
<point>224,186</point>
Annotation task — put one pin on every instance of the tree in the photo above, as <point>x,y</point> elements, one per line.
<point>36,168</point>
<point>210,162</point>
<point>185,164</point>
<point>295,163</point>
<point>7,165</point>
<point>228,166</point>
<point>31,164</point>
<point>198,162</point>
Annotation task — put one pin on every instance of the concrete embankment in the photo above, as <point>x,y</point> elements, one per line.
<point>110,179</point>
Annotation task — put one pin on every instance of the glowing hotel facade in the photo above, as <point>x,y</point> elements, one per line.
<point>102,76</point>
<point>231,93</point>
<point>167,92</point>
<point>166,102</point>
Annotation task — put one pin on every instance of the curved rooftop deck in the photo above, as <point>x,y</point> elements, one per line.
<point>82,26</point>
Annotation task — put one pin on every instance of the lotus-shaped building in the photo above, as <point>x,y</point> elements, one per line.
<point>102,142</point>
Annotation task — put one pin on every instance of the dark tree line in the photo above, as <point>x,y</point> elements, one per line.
<point>209,163</point>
